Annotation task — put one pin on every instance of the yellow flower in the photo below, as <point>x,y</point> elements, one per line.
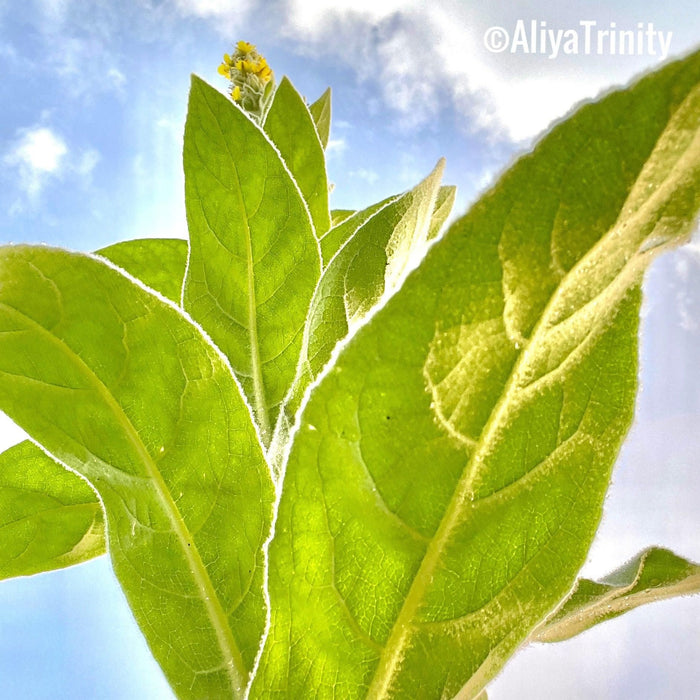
<point>244,66</point>
<point>251,79</point>
<point>245,47</point>
<point>262,70</point>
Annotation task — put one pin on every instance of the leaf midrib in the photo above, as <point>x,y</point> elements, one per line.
<point>260,403</point>
<point>233,661</point>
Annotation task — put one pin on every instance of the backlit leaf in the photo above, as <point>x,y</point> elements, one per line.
<point>120,386</point>
<point>290,126</point>
<point>49,517</point>
<point>158,262</point>
<point>254,261</point>
<point>450,466</point>
<point>655,574</point>
<point>321,113</point>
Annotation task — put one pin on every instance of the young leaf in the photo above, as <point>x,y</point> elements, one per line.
<point>655,574</point>
<point>121,387</point>
<point>443,207</point>
<point>290,127</point>
<point>448,472</point>
<point>334,239</point>
<point>254,261</point>
<point>371,265</point>
<point>321,113</point>
<point>158,262</point>
<point>49,517</point>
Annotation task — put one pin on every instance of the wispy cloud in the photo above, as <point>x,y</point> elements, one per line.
<point>365,174</point>
<point>336,147</point>
<point>226,15</point>
<point>38,156</point>
<point>427,57</point>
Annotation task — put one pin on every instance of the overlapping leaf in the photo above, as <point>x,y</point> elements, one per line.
<point>49,517</point>
<point>371,265</point>
<point>345,227</point>
<point>655,574</point>
<point>448,474</point>
<point>254,260</point>
<point>291,127</point>
<point>321,113</point>
<point>158,262</point>
<point>121,387</point>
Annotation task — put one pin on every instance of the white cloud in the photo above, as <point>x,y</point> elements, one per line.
<point>427,56</point>
<point>37,155</point>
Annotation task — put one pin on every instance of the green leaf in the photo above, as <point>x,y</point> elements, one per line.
<point>254,261</point>
<point>120,386</point>
<point>321,113</point>
<point>49,517</point>
<point>654,574</point>
<point>370,266</point>
<point>342,231</point>
<point>448,471</point>
<point>290,126</point>
<point>339,215</point>
<point>158,262</point>
<point>443,207</point>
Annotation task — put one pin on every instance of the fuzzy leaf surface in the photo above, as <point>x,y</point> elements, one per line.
<point>345,228</point>
<point>254,260</point>
<point>291,127</point>
<point>321,113</point>
<point>371,265</point>
<point>443,208</point>
<point>120,386</point>
<point>49,517</point>
<point>654,574</point>
<point>158,262</point>
<point>449,469</point>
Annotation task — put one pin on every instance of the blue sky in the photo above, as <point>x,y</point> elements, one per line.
<point>94,98</point>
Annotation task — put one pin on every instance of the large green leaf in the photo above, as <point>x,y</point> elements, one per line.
<point>120,386</point>
<point>448,472</point>
<point>290,126</point>
<point>254,261</point>
<point>49,517</point>
<point>321,113</point>
<point>654,574</point>
<point>158,262</point>
<point>371,265</point>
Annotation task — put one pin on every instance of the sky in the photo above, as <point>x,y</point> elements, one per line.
<point>93,106</point>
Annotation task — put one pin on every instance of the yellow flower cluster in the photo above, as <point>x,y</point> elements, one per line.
<point>249,74</point>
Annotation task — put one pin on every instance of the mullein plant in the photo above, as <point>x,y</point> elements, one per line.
<point>348,453</point>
